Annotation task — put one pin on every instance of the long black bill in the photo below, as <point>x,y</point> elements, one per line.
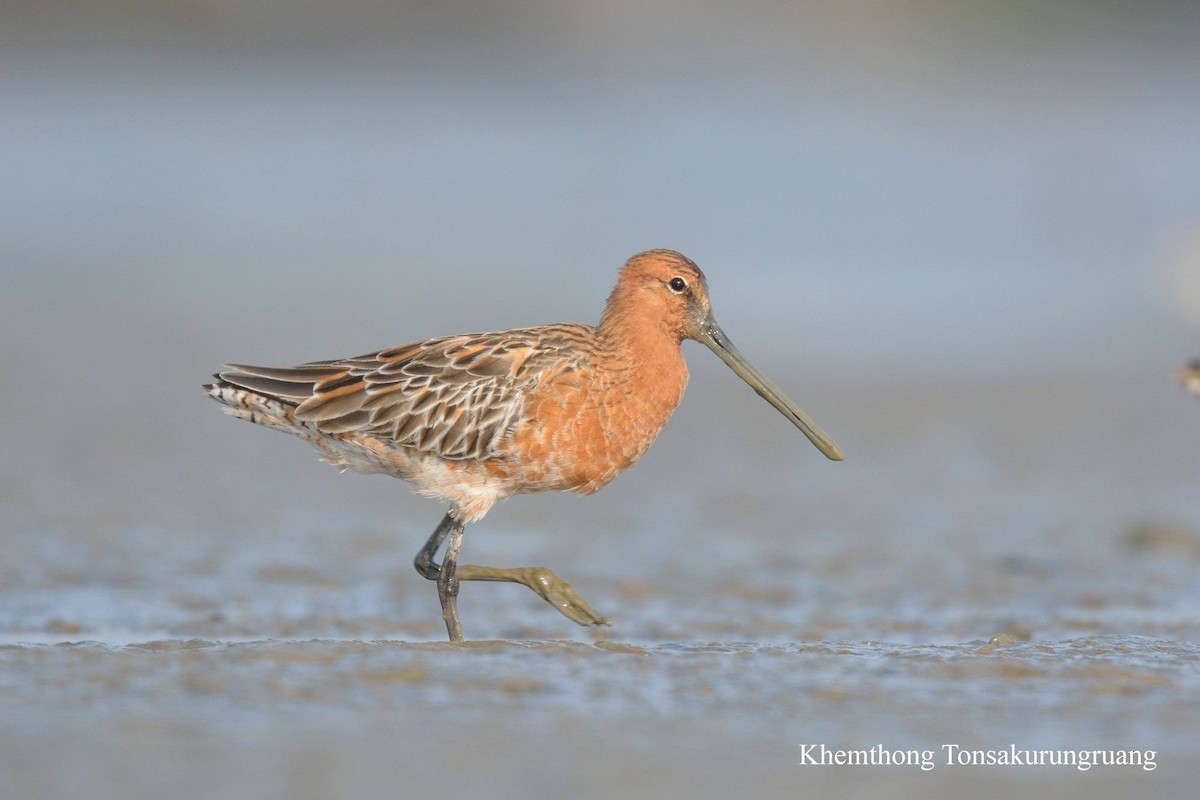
<point>715,339</point>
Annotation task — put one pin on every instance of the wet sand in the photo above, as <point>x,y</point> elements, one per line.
<point>351,718</point>
<point>952,583</point>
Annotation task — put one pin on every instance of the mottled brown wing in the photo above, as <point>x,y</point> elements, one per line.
<point>455,397</point>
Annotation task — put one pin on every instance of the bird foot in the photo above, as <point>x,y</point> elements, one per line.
<point>551,588</point>
<point>560,594</point>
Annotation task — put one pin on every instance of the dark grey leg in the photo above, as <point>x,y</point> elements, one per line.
<point>447,583</point>
<point>449,574</point>
<point>444,574</point>
<point>424,561</point>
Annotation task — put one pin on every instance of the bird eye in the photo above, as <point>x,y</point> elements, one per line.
<point>677,285</point>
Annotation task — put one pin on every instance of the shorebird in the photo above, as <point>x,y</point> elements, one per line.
<point>1189,377</point>
<point>473,419</point>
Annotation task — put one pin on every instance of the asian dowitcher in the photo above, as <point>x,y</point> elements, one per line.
<point>1189,377</point>
<point>473,419</point>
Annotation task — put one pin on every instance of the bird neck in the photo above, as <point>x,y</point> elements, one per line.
<point>641,338</point>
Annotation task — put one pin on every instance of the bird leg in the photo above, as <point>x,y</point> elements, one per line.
<point>447,583</point>
<point>548,586</point>
<point>444,574</point>
<point>424,561</point>
<point>551,588</point>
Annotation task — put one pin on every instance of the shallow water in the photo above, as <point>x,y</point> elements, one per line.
<point>944,587</point>
<point>305,717</point>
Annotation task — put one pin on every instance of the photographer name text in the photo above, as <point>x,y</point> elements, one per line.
<point>953,755</point>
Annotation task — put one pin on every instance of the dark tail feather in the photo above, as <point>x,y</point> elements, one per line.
<point>291,385</point>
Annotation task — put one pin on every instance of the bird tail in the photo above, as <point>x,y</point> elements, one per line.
<point>251,406</point>
<point>267,395</point>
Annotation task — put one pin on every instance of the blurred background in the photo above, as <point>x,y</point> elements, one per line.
<point>882,194</point>
<point>964,236</point>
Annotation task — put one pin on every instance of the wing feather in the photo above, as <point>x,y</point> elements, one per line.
<point>457,397</point>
